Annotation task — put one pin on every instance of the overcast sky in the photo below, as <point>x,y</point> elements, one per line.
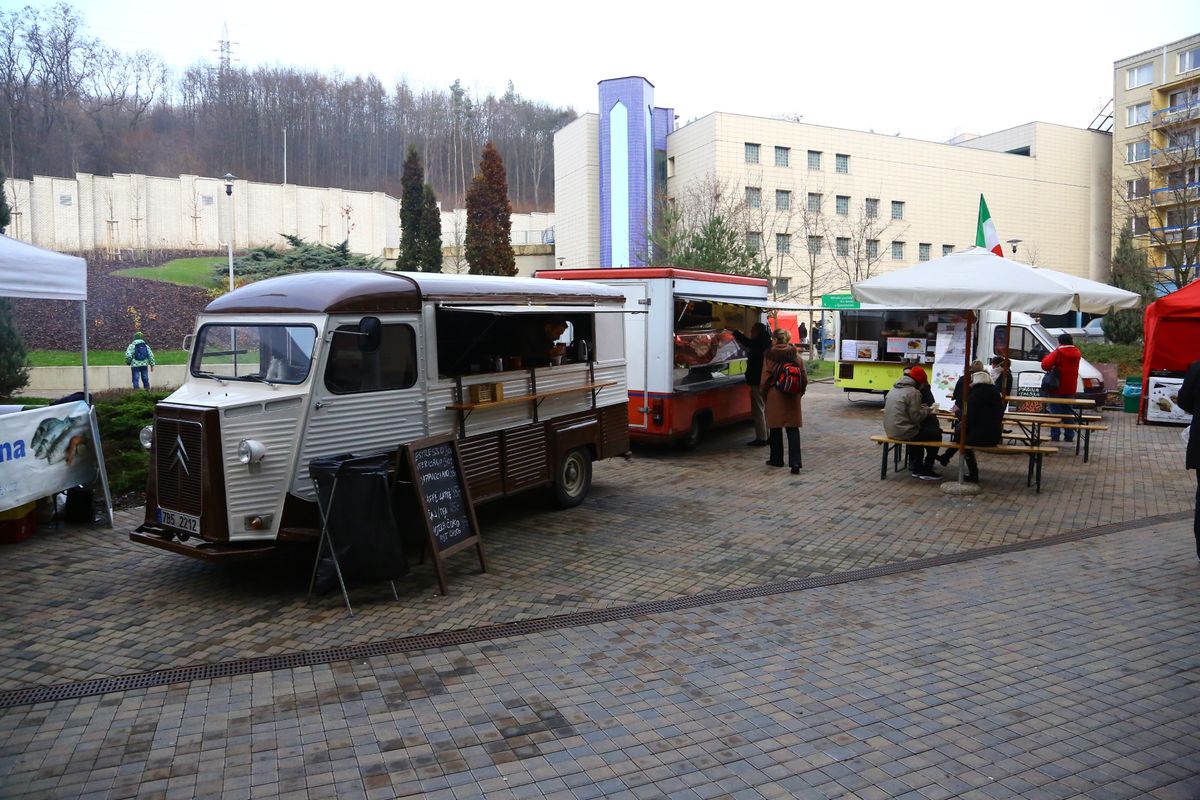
<point>926,70</point>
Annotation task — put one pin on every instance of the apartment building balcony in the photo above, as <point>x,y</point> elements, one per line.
<point>1173,195</point>
<point>1175,115</point>
<point>1176,233</point>
<point>1174,156</point>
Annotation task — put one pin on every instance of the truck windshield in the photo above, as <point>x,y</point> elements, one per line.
<point>264,353</point>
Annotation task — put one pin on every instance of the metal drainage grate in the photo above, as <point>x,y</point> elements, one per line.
<point>430,641</point>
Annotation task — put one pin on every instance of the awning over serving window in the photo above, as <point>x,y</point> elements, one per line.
<point>542,309</point>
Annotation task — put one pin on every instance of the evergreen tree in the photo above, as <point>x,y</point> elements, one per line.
<point>412,183</point>
<point>5,214</point>
<point>489,219</point>
<point>716,246</point>
<point>1128,272</point>
<point>431,232</point>
<point>14,372</point>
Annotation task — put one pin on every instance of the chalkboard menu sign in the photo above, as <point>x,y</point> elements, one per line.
<point>435,467</point>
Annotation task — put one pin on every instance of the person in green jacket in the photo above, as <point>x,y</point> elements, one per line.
<point>140,359</point>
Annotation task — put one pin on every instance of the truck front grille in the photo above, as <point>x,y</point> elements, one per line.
<point>179,464</point>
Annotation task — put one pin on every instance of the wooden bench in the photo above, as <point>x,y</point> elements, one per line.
<point>1033,452</point>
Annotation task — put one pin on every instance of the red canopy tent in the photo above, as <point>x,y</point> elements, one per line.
<point>1172,334</point>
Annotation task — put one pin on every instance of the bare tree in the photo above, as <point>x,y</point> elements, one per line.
<point>1160,204</point>
<point>856,242</point>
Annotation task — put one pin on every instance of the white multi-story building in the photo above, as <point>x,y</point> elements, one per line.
<point>838,203</point>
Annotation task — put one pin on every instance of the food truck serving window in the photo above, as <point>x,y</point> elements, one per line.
<point>265,353</point>
<point>469,342</point>
<point>393,365</point>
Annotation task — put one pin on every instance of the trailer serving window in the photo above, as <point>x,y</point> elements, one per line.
<point>486,340</point>
<point>887,335</point>
<point>264,353</point>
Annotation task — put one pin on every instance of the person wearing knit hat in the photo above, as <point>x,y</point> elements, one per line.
<point>140,359</point>
<point>908,414</point>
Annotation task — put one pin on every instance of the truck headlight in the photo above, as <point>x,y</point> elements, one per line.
<point>146,436</point>
<point>250,451</point>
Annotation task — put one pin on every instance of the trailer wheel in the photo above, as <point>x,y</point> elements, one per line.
<point>694,434</point>
<point>574,478</point>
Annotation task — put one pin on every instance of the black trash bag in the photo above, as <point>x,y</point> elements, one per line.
<point>360,521</point>
<point>80,507</point>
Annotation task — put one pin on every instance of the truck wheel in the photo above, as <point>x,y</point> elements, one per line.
<point>692,437</point>
<point>574,479</point>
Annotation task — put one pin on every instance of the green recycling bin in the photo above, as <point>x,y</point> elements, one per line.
<point>1132,395</point>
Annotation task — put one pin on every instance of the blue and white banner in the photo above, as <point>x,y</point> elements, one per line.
<point>44,451</point>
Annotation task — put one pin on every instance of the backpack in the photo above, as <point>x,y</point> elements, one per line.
<point>789,378</point>
<point>141,352</point>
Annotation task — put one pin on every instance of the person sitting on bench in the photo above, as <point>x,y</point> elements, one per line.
<point>985,422</point>
<point>907,416</point>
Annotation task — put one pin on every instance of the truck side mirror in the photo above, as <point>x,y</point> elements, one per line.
<point>370,333</point>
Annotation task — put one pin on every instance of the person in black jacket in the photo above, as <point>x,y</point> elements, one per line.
<point>757,343</point>
<point>985,421</point>
<point>1189,401</point>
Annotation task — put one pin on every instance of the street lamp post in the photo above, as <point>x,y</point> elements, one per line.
<point>229,179</point>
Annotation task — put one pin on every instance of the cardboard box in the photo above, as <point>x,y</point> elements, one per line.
<point>486,392</point>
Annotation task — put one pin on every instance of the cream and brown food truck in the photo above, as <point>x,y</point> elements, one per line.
<point>290,369</point>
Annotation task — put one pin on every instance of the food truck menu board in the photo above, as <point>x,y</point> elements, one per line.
<point>860,350</point>
<point>949,355</point>
<point>435,467</point>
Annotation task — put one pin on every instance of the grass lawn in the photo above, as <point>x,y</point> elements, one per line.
<point>184,271</point>
<point>818,370</point>
<point>98,358</point>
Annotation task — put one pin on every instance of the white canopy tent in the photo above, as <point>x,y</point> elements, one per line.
<point>975,279</point>
<point>30,272</point>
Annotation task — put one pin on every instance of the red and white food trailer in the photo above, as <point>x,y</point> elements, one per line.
<point>685,369</point>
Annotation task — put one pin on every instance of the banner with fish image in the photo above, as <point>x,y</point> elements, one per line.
<point>44,451</point>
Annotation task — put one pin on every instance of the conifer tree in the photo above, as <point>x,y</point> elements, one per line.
<point>412,185</point>
<point>431,232</point>
<point>14,372</point>
<point>489,219</point>
<point>1128,272</point>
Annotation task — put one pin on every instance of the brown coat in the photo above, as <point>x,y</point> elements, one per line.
<point>783,410</point>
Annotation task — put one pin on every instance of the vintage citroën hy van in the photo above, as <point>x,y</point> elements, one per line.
<point>528,375</point>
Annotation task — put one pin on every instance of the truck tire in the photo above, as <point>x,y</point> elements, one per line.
<point>692,438</point>
<point>573,479</point>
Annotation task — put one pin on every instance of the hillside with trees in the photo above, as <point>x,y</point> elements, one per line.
<point>73,104</point>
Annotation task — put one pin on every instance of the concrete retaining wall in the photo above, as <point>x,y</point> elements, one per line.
<point>55,382</point>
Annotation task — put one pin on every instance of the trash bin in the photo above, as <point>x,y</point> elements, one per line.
<point>355,495</point>
<point>1132,394</point>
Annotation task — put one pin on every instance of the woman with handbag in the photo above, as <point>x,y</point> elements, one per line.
<point>1061,380</point>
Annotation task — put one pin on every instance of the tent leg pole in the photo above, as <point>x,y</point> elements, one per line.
<point>83,320</point>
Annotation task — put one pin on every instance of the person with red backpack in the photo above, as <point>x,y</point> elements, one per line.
<point>1061,380</point>
<point>784,381</point>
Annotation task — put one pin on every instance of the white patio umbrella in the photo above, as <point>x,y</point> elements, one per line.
<point>1091,296</point>
<point>968,280</point>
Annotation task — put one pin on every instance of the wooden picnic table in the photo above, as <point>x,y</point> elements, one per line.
<point>1076,406</point>
<point>1031,424</point>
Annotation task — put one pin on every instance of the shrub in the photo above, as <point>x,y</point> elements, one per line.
<point>122,414</point>
<point>302,256</point>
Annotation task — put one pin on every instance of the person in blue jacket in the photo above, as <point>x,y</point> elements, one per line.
<point>140,359</point>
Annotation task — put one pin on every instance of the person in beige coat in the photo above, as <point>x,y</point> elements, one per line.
<point>783,410</point>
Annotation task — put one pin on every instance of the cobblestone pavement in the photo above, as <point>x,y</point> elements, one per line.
<point>77,604</point>
<point>1067,671</point>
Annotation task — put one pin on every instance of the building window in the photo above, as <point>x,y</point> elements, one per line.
<point>814,202</point>
<point>843,204</point>
<point>1184,97</point>
<point>1138,187</point>
<point>783,156</point>
<point>947,249</point>
<point>783,243</point>
<point>753,197</point>
<point>923,251</point>
<point>1189,60</point>
<point>1136,115</point>
<point>814,245</point>
<point>814,159</point>
<point>897,251</point>
<point>1138,226</point>
<point>872,249</point>
<point>897,209</point>
<point>751,153</point>
<point>1139,76</point>
<point>843,246</point>
<point>783,200</point>
<point>842,163</point>
<point>872,207</point>
<point>753,241</point>
<point>779,285</point>
<point>671,167</point>
<point>1137,151</point>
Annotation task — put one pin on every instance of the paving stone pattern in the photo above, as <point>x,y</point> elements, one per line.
<point>1060,672</point>
<point>86,603</point>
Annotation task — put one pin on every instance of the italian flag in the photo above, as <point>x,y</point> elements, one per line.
<point>986,236</point>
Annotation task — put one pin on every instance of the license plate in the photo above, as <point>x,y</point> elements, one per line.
<point>184,522</point>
